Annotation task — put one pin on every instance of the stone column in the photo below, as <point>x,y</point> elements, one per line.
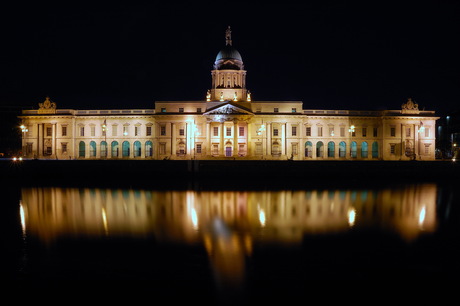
<point>208,139</point>
<point>222,145</point>
<point>235,137</point>
<point>173,139</point>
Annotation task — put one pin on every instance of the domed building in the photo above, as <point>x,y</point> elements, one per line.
<point>229,124</point>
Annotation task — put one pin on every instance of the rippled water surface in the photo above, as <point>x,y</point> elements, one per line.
<point>229,246</point>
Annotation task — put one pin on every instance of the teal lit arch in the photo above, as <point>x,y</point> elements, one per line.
<point>319,149</point>
<point>81,149</point>
<point>115,148</point>
<point>103,149</point>
<point>342,149</point>
<point>125,149</point>
<point>148,149</point>
<point>308,149</point>
<point>137,148</point>
<point>92,149</point>
<point>331,149</point>
<point>364,149</point>
<point>354,149</point>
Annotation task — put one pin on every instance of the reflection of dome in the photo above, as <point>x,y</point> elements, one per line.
<point>228,52</point>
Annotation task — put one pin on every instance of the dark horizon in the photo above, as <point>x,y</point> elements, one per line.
<point>328,55</point>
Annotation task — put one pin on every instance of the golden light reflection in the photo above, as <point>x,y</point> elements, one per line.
<point>227,224</point>
<point>22,218</point>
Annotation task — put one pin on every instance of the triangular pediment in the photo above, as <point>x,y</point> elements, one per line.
<point>228,108</point>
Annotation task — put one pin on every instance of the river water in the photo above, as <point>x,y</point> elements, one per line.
<point>228,247</point>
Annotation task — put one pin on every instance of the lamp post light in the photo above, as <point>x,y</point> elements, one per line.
<point>24,130</point>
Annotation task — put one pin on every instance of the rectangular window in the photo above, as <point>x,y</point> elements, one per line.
<point>148,131</point>
<point>63,147</point>
<point>295,150</point>
<point>275,132</point>
<point>427,132</point>
<point>215,131</point>
<point>364,132</point>
<point>294,131</point>
<point>215,149</point>
<point>82,131</point>
<point>114,130</point>
<point>198,109</point>
<point>198,148</point>
<point>258,148</point>
<point>392,131</point>
<point>29,148</point>
<point>64,131</point>
<point>163,130</point>
<point>93,131</point>
<point>241,128</point>
<point>320,131</point>
<point>392,148</point>
<point>276,110</point>
<point>375,131</point>
<point>229,131</point>
<point>181,132</point>
<point>163,109</point>
<point>294,110</point>
<point>162,148</point>
<point>49,131</point>
<point>181,109</point>
<point>427,149</point>
<point>408,132</point>
<point>308,131</point>
<point>342,131</point>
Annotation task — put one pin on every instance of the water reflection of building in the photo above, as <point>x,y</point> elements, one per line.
<point>283,216</point>
<point>228,224</point>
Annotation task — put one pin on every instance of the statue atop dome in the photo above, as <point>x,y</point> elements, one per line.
<point>228,36</point>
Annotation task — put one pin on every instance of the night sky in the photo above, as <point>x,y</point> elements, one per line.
<point>330,55</point>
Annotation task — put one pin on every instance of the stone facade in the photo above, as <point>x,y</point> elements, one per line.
<point>228,124</point>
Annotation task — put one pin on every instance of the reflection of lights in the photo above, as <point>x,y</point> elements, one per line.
<point>262,218</point>
<point>194,217</point>
<point>104,219</point>
<point>23,218</point>
<point>190,198</point>
<point>351,216</point>
<point>421,217</point>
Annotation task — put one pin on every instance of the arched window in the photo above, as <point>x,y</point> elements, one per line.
<point>92,149</point>
<point>375,149</point>
<point>103,149</point>
<point>354,149</point>
<point>115,149</point>
<point>308,149</point>
<point>137,149</point>
<point>81,149</point>
<point>364,150</point>
<point>342,149</point>
<point>125,149</point>
<point>331,149</point>
<point>148,149</point>
<point>319,149</point>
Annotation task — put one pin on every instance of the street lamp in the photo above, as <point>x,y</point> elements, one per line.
<point>24,130</point>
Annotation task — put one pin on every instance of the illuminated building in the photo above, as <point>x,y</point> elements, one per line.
<point>229,124</point>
